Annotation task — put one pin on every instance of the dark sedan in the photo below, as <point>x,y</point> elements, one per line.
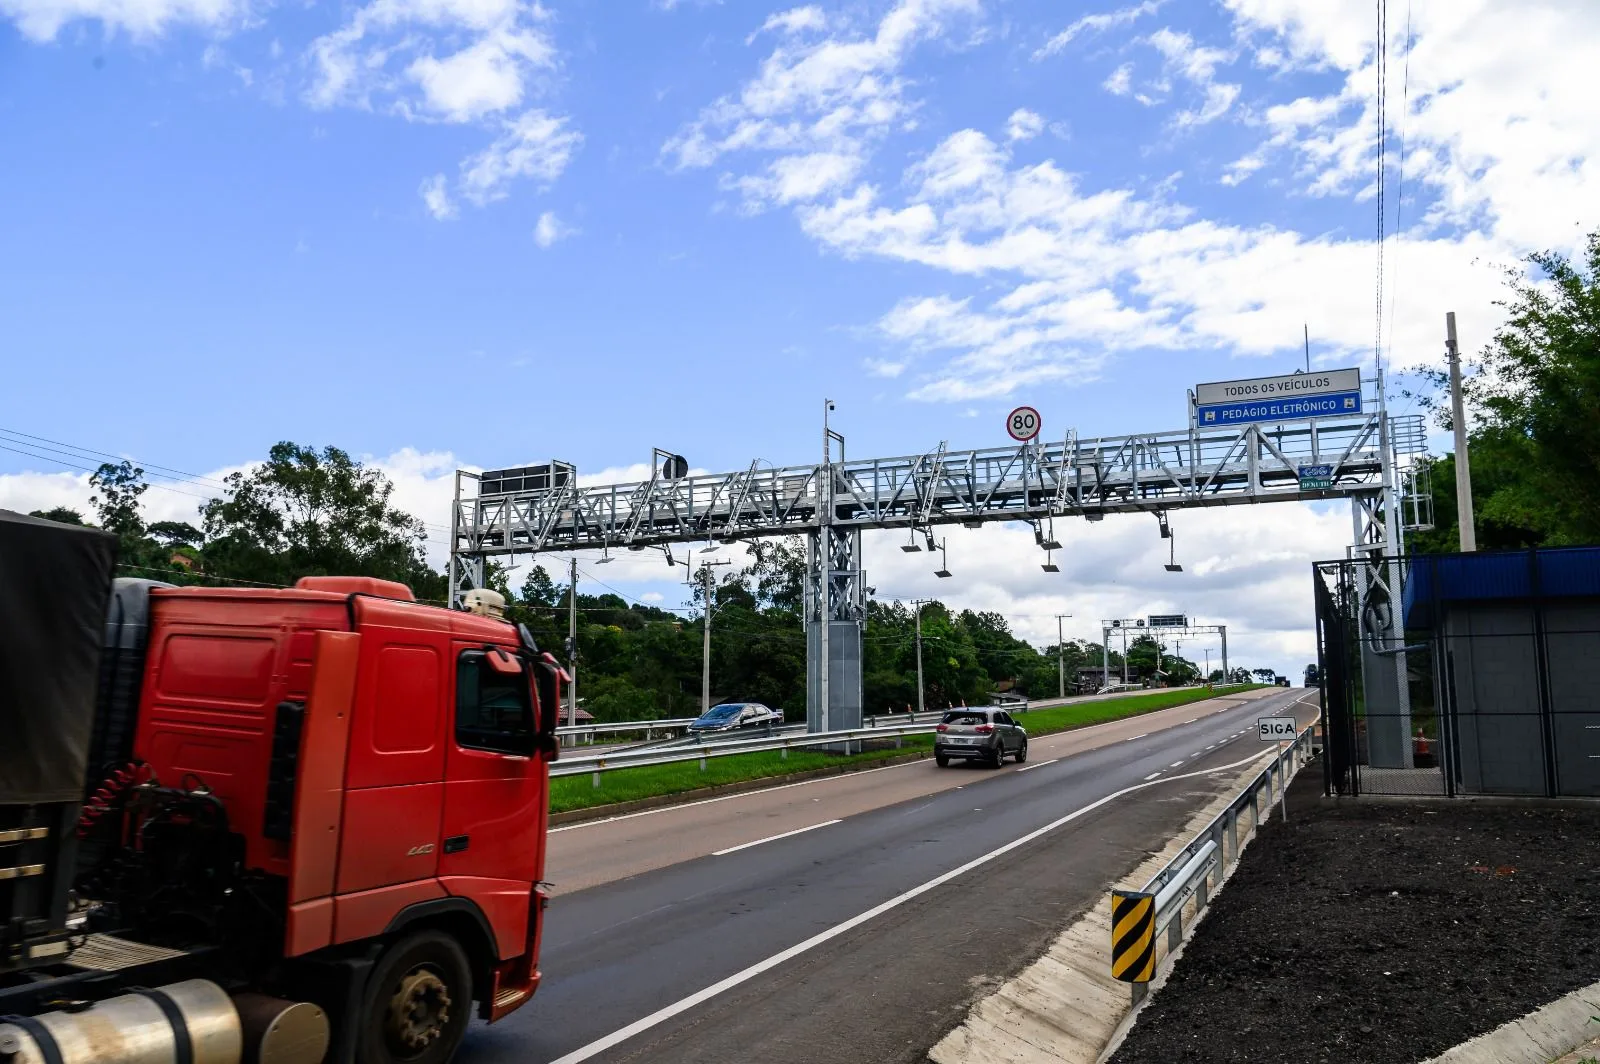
<point>732,716</point>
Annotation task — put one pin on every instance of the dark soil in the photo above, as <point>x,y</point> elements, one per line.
<point>1377,932</point>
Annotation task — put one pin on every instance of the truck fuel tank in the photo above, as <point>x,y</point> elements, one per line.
<point>143,1027</point>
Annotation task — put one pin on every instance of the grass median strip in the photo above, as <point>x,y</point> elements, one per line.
<point>652,781</point>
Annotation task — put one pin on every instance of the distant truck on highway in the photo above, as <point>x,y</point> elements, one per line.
<point>260,825</point>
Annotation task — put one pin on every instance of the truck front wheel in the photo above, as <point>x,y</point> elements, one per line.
<point>418,1002</point>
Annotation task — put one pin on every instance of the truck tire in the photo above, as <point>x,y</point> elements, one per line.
<point>419,1001</point>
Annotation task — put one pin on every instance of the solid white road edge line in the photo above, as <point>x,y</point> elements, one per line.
<point>771,838</point>
<point>617,1037</point>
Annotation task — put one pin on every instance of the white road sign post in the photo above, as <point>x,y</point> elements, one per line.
<point>1277,730</point>
<point>1023,423</point>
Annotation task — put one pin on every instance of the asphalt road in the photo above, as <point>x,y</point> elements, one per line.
<point>860,937</point>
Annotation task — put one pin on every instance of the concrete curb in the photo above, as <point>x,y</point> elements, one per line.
<point>1537,1038</point>
<point>1065,1007</point>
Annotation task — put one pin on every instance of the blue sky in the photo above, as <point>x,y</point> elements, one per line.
<point>481,232</point>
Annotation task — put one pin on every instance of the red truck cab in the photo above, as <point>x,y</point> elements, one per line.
<point>386,762</point>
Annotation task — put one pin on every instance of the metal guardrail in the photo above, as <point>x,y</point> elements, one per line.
<point>616,727</point>
<point>879,723</point>
<point>1199,868</point>
<point>596,764</point>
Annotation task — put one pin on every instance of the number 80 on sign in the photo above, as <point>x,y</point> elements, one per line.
<point>1023,423</point>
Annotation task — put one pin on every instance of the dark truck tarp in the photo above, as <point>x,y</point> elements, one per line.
<point>54,583</point>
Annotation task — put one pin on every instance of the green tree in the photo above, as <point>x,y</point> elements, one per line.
<point>118,487</point>
<point>1535,441</point>
<point>175,534</point>
<point>60,514</point>
<point>309,512</point>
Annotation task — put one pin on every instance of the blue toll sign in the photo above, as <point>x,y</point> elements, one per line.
<point>1315,477</point>
<point>1286,409</point>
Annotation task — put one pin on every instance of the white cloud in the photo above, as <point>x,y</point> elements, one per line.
<point>386,56</point>
<point>1120,80</point>
<point>41,20</point>
<point>534,146</point>
<point>1097,24</point>
<point>1494,133</point>
<point>551,229</point>
<point>832,96</point>
<point>796,20</point>
<point>797,178</point>
<point>486,77</point>
<point>455,61</point>
<point>1024,125</point>
<point>1072,272</point>
<point>436,195</point>
<point>1197,65</point>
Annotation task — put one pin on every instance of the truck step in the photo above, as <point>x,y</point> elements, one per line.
<point>108,953</point>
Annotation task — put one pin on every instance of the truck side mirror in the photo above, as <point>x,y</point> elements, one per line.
<point>547,677</point>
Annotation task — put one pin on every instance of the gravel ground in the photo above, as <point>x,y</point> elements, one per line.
<point>1383,932</point>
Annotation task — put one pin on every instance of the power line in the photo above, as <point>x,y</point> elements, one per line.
<point>1382,64</point>
<point>147,466</point>
<point>8,442</point>
<point>1400,182</point>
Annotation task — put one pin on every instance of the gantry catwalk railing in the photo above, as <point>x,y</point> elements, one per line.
<point>1030,482</point>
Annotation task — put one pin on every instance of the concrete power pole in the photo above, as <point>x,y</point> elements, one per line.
<point>1061,658</point>
<point>705,652</point>
<point>918,604</point>
<point>1469,536</point>
<point>572,643</point>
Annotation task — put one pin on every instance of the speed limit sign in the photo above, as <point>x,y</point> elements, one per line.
<point>1023,423</point>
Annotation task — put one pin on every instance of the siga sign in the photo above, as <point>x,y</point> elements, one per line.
<point>1275,729</point>
<point>1326,393</point>
<point>1313,477</point>
<point>1023,423</point>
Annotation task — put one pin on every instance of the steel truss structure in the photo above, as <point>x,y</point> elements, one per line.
<point>1138,626</point>
<point>832,502</point>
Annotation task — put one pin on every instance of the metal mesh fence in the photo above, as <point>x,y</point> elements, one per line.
<point>1496,695</point>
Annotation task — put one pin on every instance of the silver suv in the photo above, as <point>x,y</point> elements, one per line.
<point>987,735</point>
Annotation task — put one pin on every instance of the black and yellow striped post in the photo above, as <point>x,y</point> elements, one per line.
<point>1133,936</point>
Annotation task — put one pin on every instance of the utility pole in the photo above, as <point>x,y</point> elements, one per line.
<point>918,603</point>
<point>1061,658</point>
<point>1469,536</point>
<point>572,644</point>
<point>1124,654</point>
<point>1105,656</point>
<point>705,652</point>
<point>1208,664</point>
